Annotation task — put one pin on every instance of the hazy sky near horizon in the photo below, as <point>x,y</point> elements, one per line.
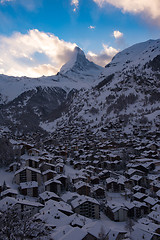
<point>38,36</point>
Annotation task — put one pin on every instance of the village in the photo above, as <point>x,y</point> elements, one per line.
<point>81,184</point>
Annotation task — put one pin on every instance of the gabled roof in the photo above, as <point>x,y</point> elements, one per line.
<point>82,199</point>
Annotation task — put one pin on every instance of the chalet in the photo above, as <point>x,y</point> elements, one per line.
<point>53,186</point>
<point>138,180</point>
<point>112,165</point>
<point>13,167</point>
<point>79,178</point>
<point>139,196</point>
<point>9,193</point>
<point>98,191</point>
<point>32,162</point>
<point>138,188</point>
<point>63,179</point>
<point>29,188</point>
<point>96,230</point>
<point>27,174</point>
<point>150,202</point>
<point>94,180</point>
<point>155,186</point>
<point>115,185</point>
<point>78,165</point>
<point>131,171</point>
<point>116,211</point>
<point>48,174</point>
<point>20,205</point>
<point>45,196</point>
<point>59,167</point>
<point>86,206</point>
<point>33,152</point>
<point>46,166</point>
<point>104,174</point>
<point>140,209</point>
<point>82,188</point>
<point>25,148</point>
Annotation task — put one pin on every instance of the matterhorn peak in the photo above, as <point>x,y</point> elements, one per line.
<point>78,63</point>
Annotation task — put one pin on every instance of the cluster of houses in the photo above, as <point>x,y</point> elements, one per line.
<point>84,175</point>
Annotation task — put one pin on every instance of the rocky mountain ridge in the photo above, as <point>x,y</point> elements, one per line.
<point>123,95</point>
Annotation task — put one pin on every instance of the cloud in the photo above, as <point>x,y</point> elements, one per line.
<point>33,54</point>
<point>5,1</point>
<point>117,34</point>
<point>147,7</point>
<point>75,3</point>
<point>91,27</point>
<point>104,57</point>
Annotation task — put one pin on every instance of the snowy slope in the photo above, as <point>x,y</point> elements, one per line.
<point>128,94</point>
<point>77,73</point>
<point>136,55</point>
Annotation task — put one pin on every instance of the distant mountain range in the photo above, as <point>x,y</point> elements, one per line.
<point>126,93</point>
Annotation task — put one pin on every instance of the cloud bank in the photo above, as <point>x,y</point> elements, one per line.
<point>33,54</point>
<point>38,53</point>
<point>147,7</point>
<point>104,57</point>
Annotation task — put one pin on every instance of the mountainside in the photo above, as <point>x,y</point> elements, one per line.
<point>125,101</point>
<point>117,100</point>
<point>27,101</point>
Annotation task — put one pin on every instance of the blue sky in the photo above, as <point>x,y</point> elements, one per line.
<point>38,36</point>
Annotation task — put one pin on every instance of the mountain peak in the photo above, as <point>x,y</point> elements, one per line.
<point>78,63</point>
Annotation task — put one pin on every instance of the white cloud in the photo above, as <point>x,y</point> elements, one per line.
<point>91,27</point>
<point>104,57</point>
<point>75,3</point>
<point>33,54</point>
<point>150,8</point>
<point>117,34</point>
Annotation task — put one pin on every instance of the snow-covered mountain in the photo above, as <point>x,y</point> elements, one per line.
<point>127,96</point>
<point>124,94</point>
<point>45,97</point>
<point>75,74</point>
<point>80,64</point>
<point>138,55</point>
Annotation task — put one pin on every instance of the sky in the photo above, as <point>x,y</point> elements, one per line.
<point>38,36</point>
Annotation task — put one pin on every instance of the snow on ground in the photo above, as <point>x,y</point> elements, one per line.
<point>8,178</point>
<point>71,172</point>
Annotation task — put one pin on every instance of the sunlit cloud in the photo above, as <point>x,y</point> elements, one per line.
<point>117,34</point>
<point>104,57</point>
<point>33,54</point>
<point>75,3</point>
<point>144,7</point>
<point>91,27</point>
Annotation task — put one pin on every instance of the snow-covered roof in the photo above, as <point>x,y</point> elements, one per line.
<point>12,191</point>
<point>81,184</point>
<point>47,195</point>
<point>27,168</point>
<point>82,199</point>
<point>151,201</point>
